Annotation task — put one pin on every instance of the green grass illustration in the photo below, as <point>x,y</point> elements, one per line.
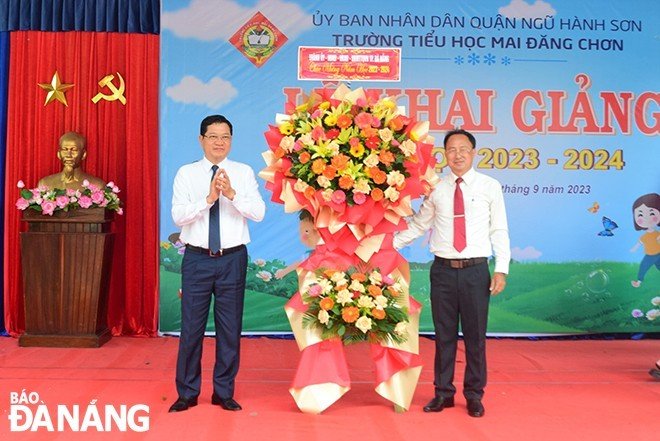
<point>540,298</point>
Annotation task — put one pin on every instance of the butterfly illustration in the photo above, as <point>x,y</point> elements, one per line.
<point>608,225</point>
<point>594,208</point>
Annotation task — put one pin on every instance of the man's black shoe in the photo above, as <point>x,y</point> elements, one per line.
<point>437,404</point>
<point>655,373</point>
<point>225,403</point>
<point>182,404</point>
<point>475,408</point>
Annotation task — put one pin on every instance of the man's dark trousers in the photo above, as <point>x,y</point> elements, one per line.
<point>460,292</point>
<point>224,278</point>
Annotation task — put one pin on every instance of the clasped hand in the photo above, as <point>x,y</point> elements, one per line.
<point>220,185</point>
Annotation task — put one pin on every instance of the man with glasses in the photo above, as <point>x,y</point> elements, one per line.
<point>466,214</point>
<point>212,201</point>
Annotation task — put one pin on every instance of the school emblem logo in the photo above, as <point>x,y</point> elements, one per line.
<point>258,39</point>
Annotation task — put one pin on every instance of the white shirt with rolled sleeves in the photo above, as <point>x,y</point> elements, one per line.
<point>190,211</point>
<point>485,220</point>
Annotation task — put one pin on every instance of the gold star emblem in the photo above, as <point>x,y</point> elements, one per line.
<point>55,90</point>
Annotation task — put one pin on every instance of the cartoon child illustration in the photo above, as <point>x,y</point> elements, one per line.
<point>646,216</point>
<point>309,236</point>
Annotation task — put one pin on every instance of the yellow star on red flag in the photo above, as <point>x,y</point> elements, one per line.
<point>55,90</point>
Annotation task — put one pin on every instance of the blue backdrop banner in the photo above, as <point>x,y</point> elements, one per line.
<point>138,16</point>
<point>563,98</point>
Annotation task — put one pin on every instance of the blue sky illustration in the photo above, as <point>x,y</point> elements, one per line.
<point>202,74</point>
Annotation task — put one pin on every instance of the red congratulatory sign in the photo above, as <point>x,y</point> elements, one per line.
<point>354,64</point>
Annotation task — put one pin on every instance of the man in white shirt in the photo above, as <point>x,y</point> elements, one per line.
<point>468,221</point>
<point>212,201</point>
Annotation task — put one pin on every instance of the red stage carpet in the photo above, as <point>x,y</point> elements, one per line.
<point>538,390</point>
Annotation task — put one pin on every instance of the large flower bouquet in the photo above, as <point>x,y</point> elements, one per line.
<point>48,201</point>
<point>355,161</point>
<point>356,306</point>
<point>345,149</point>
<point>348,151</point>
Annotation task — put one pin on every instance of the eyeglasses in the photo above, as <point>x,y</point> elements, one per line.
<point>215,138</point>
<point>461,150</point>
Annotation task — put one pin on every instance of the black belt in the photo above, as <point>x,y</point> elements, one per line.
<point>222,251</point>
<point>461,263</point>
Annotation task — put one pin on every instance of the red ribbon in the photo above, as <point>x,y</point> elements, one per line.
<point>324,362</point>
<point>389,361</point>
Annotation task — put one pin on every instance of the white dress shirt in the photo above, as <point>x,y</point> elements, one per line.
<point>190,211</point>
<point>485,220</point>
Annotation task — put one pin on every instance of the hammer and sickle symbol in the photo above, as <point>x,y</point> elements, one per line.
<point>117,94</point>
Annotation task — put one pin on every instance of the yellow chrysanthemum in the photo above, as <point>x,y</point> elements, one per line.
<point>286,128</point>
<point>330,120</point>
<point>357,150</point>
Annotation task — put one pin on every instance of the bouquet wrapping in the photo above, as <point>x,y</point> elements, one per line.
<point>355,162</point>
